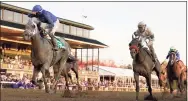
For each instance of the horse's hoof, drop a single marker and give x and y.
(48, 91)
(171, 96)
(149, 97)
(33, 82)
(66, 94)
(52, 92)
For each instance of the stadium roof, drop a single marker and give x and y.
(27, 11)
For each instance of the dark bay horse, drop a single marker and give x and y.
(176, 70)
(143, 65)
(42, 55)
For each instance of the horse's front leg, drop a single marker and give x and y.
(56, 70)
(35, 74)
(43, 70)
(148, 80)
(158, 72)
(171, 88)
(136, 77)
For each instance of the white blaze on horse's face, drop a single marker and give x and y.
(33, 27)
(133, 53)
(172, 58)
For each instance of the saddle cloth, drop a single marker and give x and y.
(60, 44)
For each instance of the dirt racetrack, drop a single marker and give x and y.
(40, 95)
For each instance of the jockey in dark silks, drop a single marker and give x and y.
(173, 49)
(48, 18)
(52, 25)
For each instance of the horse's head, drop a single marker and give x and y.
(172, 58)
(134, 47)
(31, 28)
(163, 68)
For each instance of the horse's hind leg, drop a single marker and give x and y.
(181, 83)
(179, 86)
(75, 70)
(66, 79)
(70, 76)
(43, 70)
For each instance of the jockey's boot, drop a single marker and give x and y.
(54, 43)
(154, 57)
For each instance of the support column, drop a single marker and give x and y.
(98, 60)
(75, 53)
(87, 58)
(92, 58)
(81, 55)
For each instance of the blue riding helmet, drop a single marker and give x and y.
(37, 8)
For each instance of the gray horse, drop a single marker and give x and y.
(143, 65)
(42, 55)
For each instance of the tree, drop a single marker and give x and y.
(123, 66)
(129, 66)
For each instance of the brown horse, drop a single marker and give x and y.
(164, 75)
(176, 70)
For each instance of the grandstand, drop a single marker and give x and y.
(16, 51)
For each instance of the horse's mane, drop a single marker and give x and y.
(34, 20)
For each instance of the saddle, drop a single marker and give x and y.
(43, 34)
(60, 44)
